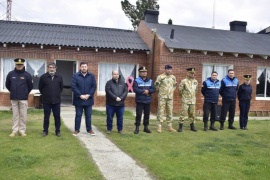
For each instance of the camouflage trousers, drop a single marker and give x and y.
(187, 109)
(165, 108)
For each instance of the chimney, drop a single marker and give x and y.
(151, 16)
(238, 26)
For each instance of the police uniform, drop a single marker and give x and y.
(19, 83)
(210, 91)
(244, 97)
(228, 90)
(165, 84)
(187, 91)
(143, 88)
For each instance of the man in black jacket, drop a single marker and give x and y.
(116, 93)
(144, 88)
(51, 86)
(19, 83)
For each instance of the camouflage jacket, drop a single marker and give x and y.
(187, 90)
(165, 85)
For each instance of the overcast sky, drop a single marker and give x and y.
(108, 13)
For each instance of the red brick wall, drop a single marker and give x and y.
(71, 53)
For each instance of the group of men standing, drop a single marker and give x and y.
(83, 84)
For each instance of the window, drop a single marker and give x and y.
(35, 67)
(263, 83)
(222, 70)
(126, 71)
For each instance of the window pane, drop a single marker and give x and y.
(222, 71)
(36, 68)
(105, 74)
(8, 65)
(126, 71)
(207, 70)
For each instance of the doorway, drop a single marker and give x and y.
(66, 69)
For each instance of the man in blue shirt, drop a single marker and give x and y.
(228, 90)
(210, 91)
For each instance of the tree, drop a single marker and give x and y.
(170, 21)
(136, 13)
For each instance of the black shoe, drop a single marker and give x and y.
(45, 134)
(146, 129)
(136, 130)
(221, 126)
(180, 129)
(192, 127)
(212, 127)
(231, 126)
(205, 127)
(58, 134)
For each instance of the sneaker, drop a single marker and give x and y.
(23, 134)
(120, 132)
(108, 132)
(91, 132)
(13, 134)
(75, 133)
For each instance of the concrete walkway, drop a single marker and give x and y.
(112, 162)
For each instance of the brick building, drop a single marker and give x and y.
(153, 45)
(209, 49)
(104, 49)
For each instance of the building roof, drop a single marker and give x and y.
(69, 35)
(206, 39)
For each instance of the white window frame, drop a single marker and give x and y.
(103, 93)
(2, 73)
(255, 88)
(230, 66)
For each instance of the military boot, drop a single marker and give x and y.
(192, 127)
(212, 127)
(231, 126)
(180, 129)
(205, 128)
(171, 129)
(136, 130)
(221, 125)
(159, 130)
(146, 129)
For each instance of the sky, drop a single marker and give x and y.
(109, 14)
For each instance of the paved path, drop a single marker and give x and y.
(112, 162)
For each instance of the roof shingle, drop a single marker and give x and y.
(69, 35)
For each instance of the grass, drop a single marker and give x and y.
(207, 155)
(35, 157)
(203, 155)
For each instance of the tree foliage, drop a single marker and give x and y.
(170, 21)
(136, 12)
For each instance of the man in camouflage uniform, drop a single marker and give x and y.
(187, 91)
(165, 85)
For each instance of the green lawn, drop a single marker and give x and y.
(229, 154)
(35, 157)
(208, 155)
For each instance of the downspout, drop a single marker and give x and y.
(153, 50)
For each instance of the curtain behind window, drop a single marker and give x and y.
(7, 66)
(105, 74)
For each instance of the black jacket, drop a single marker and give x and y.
(50, 88)
(19, 84)
(114, 90)
(139, 86)
(244, 92)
